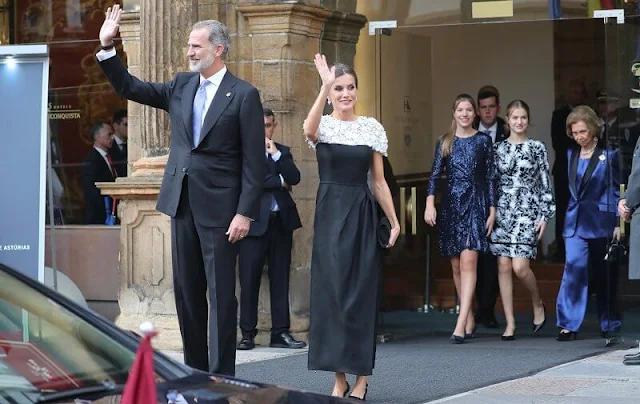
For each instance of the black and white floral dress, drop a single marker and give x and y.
(524, 197)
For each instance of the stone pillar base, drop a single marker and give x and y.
(145, 273)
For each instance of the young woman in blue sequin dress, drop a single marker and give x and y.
(468, 208)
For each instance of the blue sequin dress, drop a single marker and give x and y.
(471, 189)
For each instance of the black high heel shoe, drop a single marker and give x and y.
(364, 397)
(456, 339)
(567, 336)
(538, 327)
(511, 337)
(346, 391)
(471, 334)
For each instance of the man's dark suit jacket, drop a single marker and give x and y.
(226, 169)
(119, 158)
(286, 167)
(500, 129)
(94, 169)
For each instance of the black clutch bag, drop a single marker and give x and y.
(384, 232)
(616, 251)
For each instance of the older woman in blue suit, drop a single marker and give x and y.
(591, 218)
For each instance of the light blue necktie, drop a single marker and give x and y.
(199, 105)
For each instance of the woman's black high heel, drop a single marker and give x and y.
(364, 397)
(346, 391)
(455, 339)
(471, 334)
(567, 336)
(538, 327)
(511, 337)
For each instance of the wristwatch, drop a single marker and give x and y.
(107, 47)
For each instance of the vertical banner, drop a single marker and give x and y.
(24, 73)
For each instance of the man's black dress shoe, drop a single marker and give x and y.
(246, 343)
(285, 340)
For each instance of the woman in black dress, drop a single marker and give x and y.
(345, 263)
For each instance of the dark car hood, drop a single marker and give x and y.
(201, 388)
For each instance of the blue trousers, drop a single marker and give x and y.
(573, 295)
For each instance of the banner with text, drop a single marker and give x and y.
(24, 74)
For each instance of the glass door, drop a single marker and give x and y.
(419, 72)
(619, 110)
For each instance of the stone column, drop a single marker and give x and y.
(154, 40)
(276, 46)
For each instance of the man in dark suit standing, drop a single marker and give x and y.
(118, 150)
(97, 167)
(491, 124)
(271, 236)
(561, 143)
(212, 183)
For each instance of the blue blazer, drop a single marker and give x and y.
(593, 206)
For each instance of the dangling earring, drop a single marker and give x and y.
(328, 101)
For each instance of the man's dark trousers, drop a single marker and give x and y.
(274, 246)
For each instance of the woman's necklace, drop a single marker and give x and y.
(587, 153)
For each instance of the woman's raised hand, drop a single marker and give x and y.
(328, 75)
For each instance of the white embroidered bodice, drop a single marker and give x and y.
(364, 131)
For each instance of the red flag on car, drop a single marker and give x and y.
(141, 383)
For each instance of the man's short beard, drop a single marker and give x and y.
(202, 65)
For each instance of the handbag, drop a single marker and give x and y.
(384, 232)
(616, 251)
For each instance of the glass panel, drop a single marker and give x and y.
(620, 122)
(79, 94)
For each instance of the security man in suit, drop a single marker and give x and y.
(97, 167)
(119, 151)
(490, 123)
(212, 183)
(270, 237)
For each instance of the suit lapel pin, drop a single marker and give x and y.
(228, 94)
(602, 157)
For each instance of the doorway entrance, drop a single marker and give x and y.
(419, 71)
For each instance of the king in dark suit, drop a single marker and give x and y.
(271, 236)
(212, 184)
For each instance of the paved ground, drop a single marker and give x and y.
(595, 380)
(430, 368)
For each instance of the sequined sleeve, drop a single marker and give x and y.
(492, 173)
(436, 170)
(545, 194)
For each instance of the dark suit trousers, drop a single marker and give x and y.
(274, 244)
(203, 259)
(487, 285)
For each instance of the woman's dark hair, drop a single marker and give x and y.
(342, 69)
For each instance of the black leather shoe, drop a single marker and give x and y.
(633, 356)
(567, 336)
(511, 337)
(456, 339)
(489, 321)
(538, 327)
(246, 343)
(285, 340)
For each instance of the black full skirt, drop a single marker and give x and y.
(345, 271)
